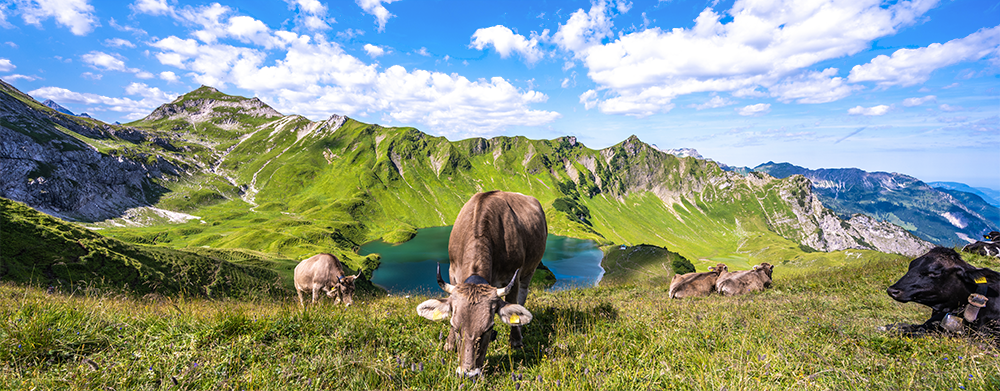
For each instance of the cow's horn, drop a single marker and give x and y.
(503, 291)
(444, 285)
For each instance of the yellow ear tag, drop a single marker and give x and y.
(437, 315)
(981, 280)
(514, 319)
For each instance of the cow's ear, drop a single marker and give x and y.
(435, 309)
(514, 315)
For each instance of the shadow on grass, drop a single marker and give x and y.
(545, 325)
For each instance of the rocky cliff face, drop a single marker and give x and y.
(50, 170)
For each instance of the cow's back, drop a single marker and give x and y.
(692, 284)
(743, 281)
(320, 269)
(495, 234)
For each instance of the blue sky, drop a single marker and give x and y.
(900, 86)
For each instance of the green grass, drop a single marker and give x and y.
(815, 330)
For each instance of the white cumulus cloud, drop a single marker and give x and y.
(105, 61)
(506, 43)
(77, 15)
(169, 76)
(98, 103)
(767, 44)
(6, 65)
(152, 7)
(907, 67)
(910, 102)
(715, 102)
(317, 78)
(869, 111)
(118, 43)
(375, 8)
(754, 110)
(312, 14)
(373, 51)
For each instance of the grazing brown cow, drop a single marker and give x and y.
(957, 292)
(743, 281)
(324, 273)
(497, 241)
(696, 284)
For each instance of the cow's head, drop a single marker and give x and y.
(937, 279)
(718, 268)
(765, 267)
(345, 287)
(471, 306)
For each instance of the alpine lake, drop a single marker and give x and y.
(411, 267)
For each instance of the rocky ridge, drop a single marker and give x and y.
(47, 168)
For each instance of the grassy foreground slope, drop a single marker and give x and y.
(38, 249)
(816, 330)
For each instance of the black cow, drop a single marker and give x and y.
(988, 248)
(941, 280)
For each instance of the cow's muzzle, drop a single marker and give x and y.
(895, 294)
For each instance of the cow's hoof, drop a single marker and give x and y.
(448, 347)
(516, 344)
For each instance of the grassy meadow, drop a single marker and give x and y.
(815, 330)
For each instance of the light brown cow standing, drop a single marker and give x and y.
(696, 284)
(743, 281)
(497, 241)
(324, 273)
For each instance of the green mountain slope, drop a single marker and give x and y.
(40, 249)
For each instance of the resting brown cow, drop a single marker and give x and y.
(497, 241)
(941, 280)
(696, 284)
(743, 281)
(324, 273)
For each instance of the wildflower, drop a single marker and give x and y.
(421, 367)
(539, 378)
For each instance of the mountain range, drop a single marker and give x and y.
(223, 171)
(942, 216)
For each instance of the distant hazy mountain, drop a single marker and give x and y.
(948, 218)
(57, 107)
(989, 195)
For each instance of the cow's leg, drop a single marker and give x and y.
(315, 294)
(449, 344)
(302, 302)
(931, 325)
(518, 295)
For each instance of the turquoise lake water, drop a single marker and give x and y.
(410, 267)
